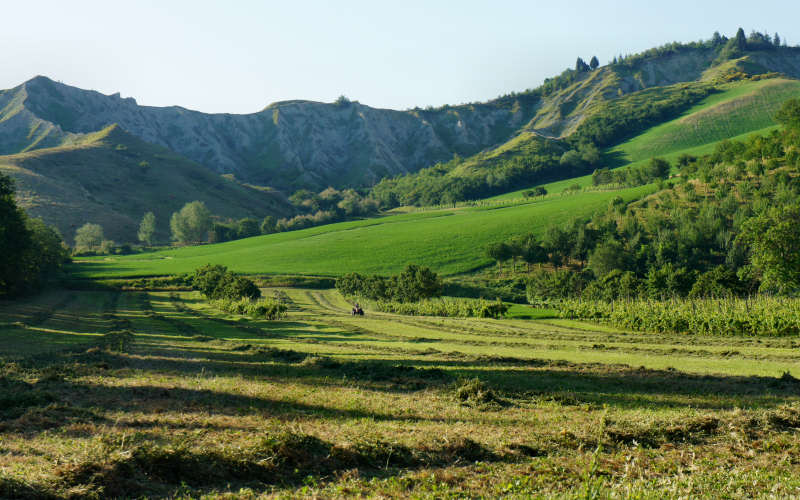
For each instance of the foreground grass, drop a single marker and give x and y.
(160, 395)
(448, 241)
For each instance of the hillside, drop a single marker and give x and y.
(302, 144)
(112, 178)
(574, 123)
(449, 241)
(289, 145)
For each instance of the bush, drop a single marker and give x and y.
(559, 284)
(448, 307)
(216, 282)
(762, 316)
(270, 309)
(413, 284)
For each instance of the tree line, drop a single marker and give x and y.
(726, 225)
(33, 253)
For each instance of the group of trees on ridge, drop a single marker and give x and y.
(727, 225)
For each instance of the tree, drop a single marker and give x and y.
(14, 237)
(581, 66)
(415, 283)
(608, 256)
(740, 40)
(774, 239)
(558, 242)
(499, 252)
(594, 63)
(789, 114)
(147, 229)
(531, 251)
(268, 225)
(89, 237)
(191, 224)
(247, 228)
(776, 40)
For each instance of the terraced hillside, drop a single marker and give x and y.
(448, 240)
(113, 394)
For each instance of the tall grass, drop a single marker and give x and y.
(454, 308)
(759, 316)
(259, 309)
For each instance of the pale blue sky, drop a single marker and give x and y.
(239, 55)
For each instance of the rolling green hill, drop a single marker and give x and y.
(112, 178)
(738, 108)
(449, 241)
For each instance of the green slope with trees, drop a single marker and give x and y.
(448, 241)
(113, 179)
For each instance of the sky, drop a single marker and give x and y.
(237, 56)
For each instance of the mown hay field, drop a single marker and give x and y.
(157, 394)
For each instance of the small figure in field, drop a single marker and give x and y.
(357, 311)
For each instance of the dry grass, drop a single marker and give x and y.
(184, 403)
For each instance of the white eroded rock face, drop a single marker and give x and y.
(289, 145)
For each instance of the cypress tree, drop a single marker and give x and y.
(594, 63)
(741, 40)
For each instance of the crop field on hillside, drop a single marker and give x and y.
(140, 394)
(448, 241)
(741, 108)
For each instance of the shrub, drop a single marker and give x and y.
(216, 282)
(270, 309)
(448, 307)
(413, 284)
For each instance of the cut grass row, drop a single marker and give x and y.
(207, 404)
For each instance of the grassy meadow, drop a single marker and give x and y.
(450, 241)
(157, 394)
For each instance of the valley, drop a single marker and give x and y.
(599, 281)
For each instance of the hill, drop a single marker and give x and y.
(450, 241)
(289, 145)
(112, 178)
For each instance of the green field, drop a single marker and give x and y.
(448, 241)
(178, 400)
(740, 110)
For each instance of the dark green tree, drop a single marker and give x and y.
(15, 238)
(558, 242)
(740, 40)
(499, 252)
(774, 239)
(415, 283)
(247, 227)
(594, 63)
(789, 114)
(581, 66)
(608, 256)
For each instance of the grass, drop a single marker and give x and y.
(160, 395)
(449, 241)
(740, 110)
(112, 178)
